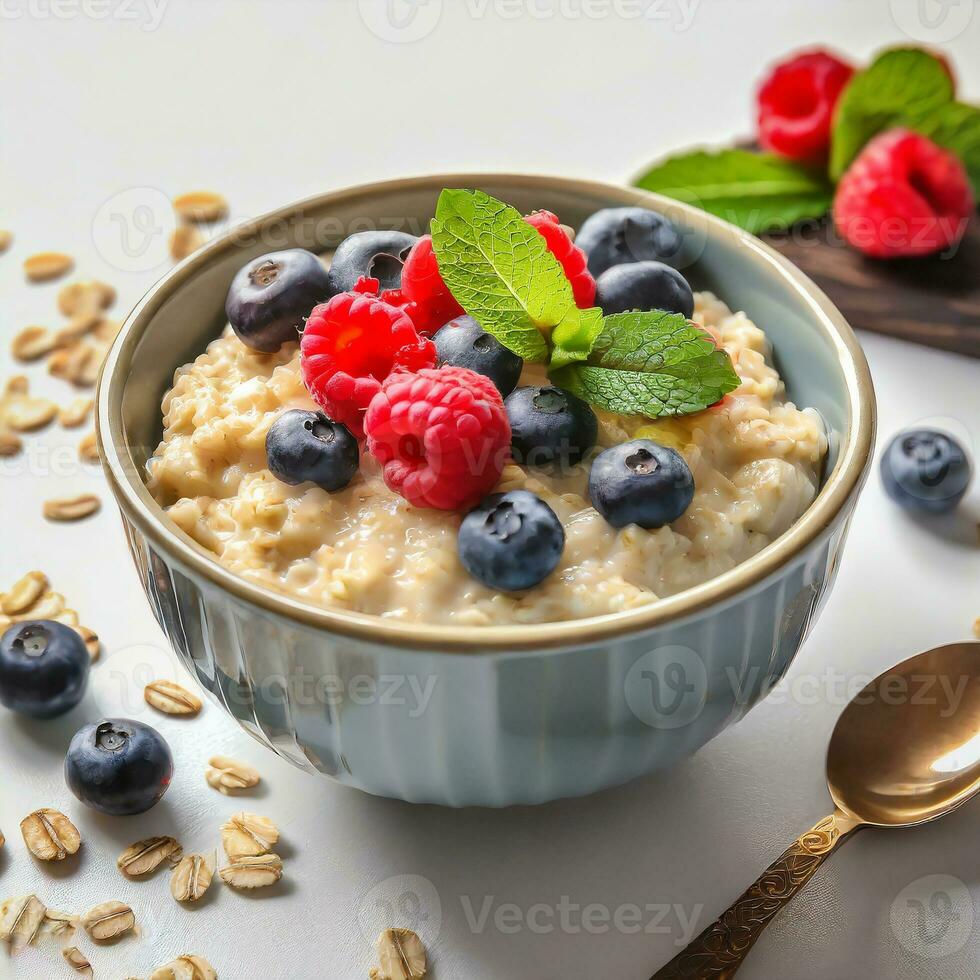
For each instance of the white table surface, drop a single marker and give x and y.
(267, 102)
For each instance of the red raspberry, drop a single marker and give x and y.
(571, 257)
(903, 195)
(796, 104)
(441, 435)
(434, 305)
(349, 347)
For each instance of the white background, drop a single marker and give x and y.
(268, 102)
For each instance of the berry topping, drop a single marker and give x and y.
(350, 345)
(303, 446)
(903, 196)
(118, 766)
(434, 305)
(569, 255)
(441, 435)
(511, 541)
(614, 236)
(43, 668)
(925, 471)
(640, 482)
(644, 286)
(464, 343)
(369, 254)
(550, 425)
(270, 297)
(796, 105)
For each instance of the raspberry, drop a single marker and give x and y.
(441, 435)
(903, 195)
(434, 305)
(349, 347)
(796, 105)
(573, 260)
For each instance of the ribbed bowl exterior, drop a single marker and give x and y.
(473, 729)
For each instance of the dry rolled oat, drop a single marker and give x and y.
(259, 871)
(228, 775)
(85, 297)
(75, 414)
(50, 835)
(91, 640)
(147, 855)
(186, 967)
(10, 445)
(108, 921)
(58, 923)
(186, 238)
(20, 921)
(248, 835)
(71, 508)
(76, 959)
(88, 449)
(171, 698)
(76, 328)
(20, 411)
(6, 237)
(33, 343)
(200, 206)
(401, 956)
(191, 878)
(24, 593)
(45, 266)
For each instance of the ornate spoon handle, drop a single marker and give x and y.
(720, 950)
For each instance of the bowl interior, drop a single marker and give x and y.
(814, 350)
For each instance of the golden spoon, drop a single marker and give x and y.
(905, 751)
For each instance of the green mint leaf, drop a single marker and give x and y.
(652, 364)
(956, 127)
(574, 336)
(756, 191)
(900, 86)
(500, 270)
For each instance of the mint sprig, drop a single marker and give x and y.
(500, 270)
(756, 191)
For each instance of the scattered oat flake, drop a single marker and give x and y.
(186, 967)
(20, 920)
(71, 508)
(88, 449)
(200, 206)
(191, 878)
(50, 835)
(170, 698)
(75, 958)
(57, 923)
(45, 266)
(258, 871)
(147, 855)
(6, 238)
(10, 445)
(24, 593)
(87, 296)
(33, 343)
(108, 921)
(77, 327)
(186, 238)
(75, 414)
(21, 412)
(228, 775)
(91, 640)
(401, 955)
(248, 835)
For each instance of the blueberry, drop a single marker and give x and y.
(303, 446)
(643, 286)
(614, 236)
(43, 668)
(464, 343)
(511, 541)
(925, 471)
(640, 482)
(118, 766)
(270, 297)
(550, 425)
(377, 254)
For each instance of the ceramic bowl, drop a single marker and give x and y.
(492, 715)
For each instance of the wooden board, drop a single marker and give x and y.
(934, 301)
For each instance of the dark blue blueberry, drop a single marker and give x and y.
(464, 343)
(118, 766)
(925, 471)
(43, 668)
(640, 482)
(303, 446)
(550, 425)
(643, 286)
(377, 254)
(270, 298)
(614, 236)
(511, 541)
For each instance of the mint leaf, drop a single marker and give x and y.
(500, 270)
(652, 364)
(574, 336)
(956, 127)
(900, 86)
(756, 191)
